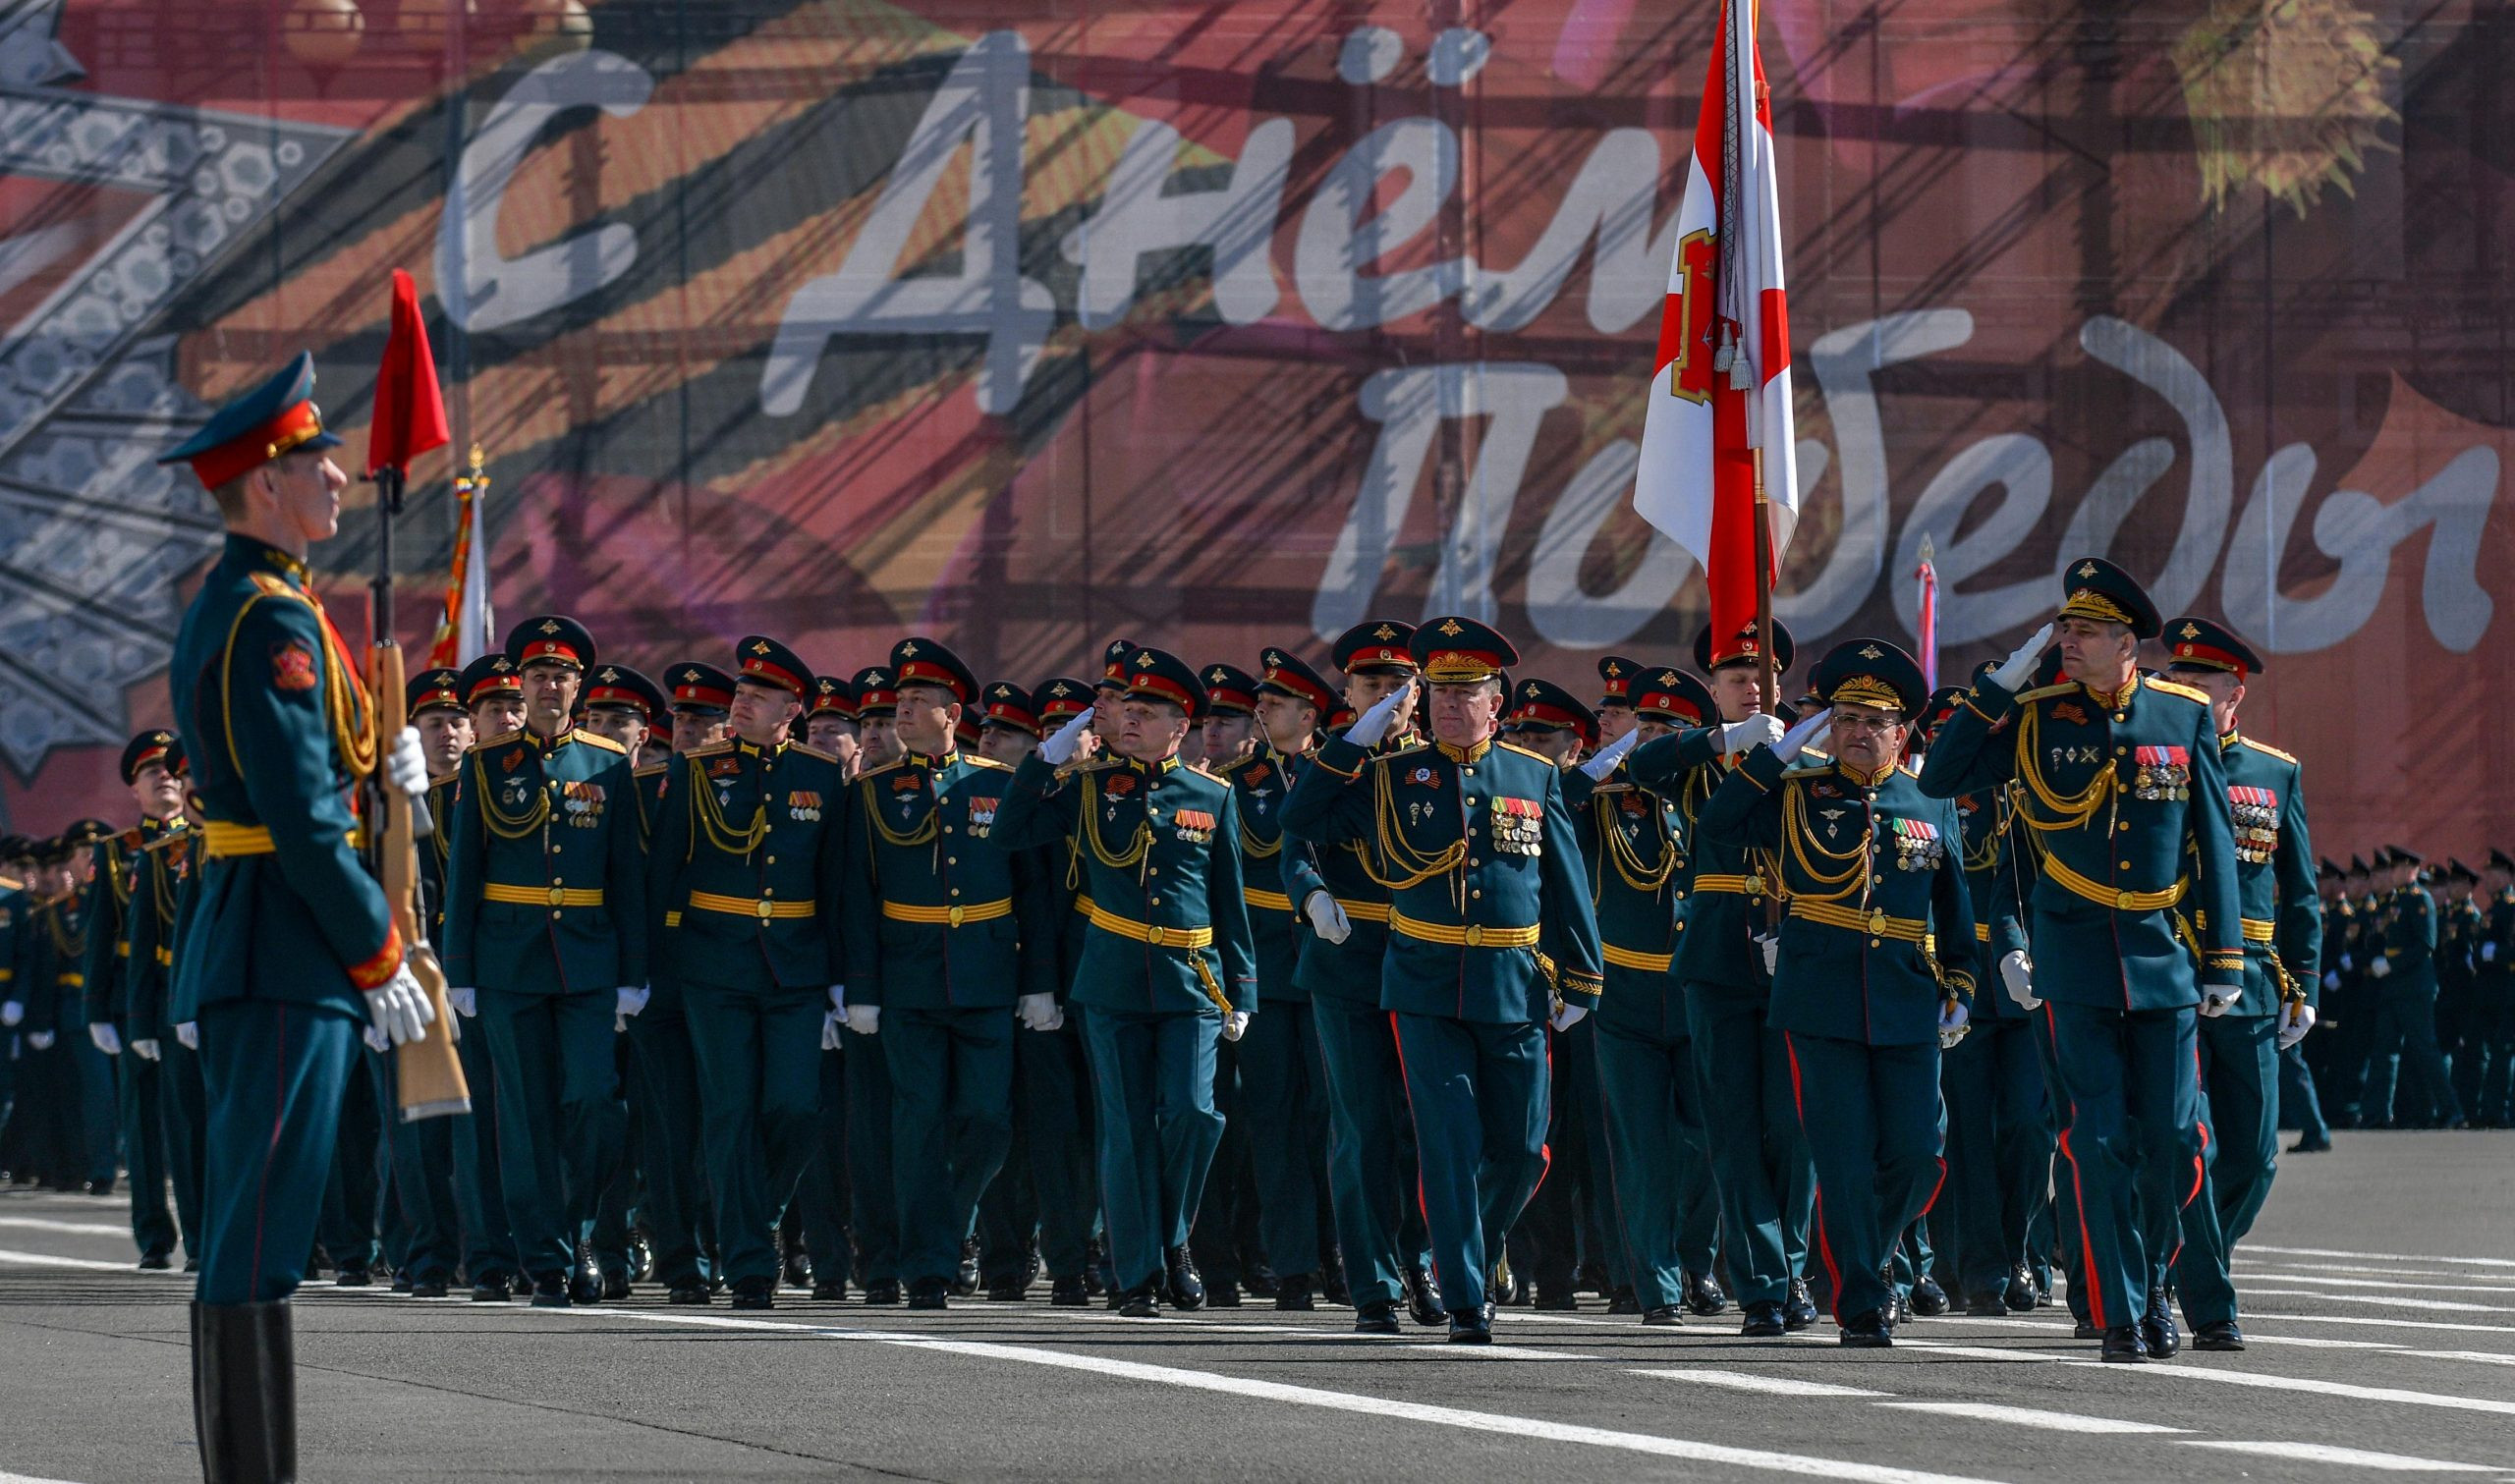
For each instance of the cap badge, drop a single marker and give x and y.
(2086, 570)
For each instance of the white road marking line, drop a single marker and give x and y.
(9, 1478)
(2347, 1458)
(2275, 1269)
(1495, 1351)
(2363, 1320)
(2310, 1343)
(1770, 1386)
(74, 1228)
(1974, 1351)
(2481, 1262)
(2028, 1416)
(48, 1260)
(2484, 1357)
(2270, 1383)
(2502, 1288)
(2438, 1306)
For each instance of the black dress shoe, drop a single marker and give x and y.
(1008, 1291)
(353, 1277)
(2084, 1330)
(965, 1283)
(1472, 1325)
(1292, 1294)
(693, 1296)
(2219, 1335)
(428, 1288)
(1181, 1284)
(1377, 1316)
(1222, 1295)
(1872, 1330)
(930, 1294)
(1556, 1301)
(1800, 1312)
(401, 1283)
(1929, 1299)
(2122, 1345)
(1069, 1292)
(615, 1287)
(584, 1288)
(1521, 1292)
(2158, 1331)
(1764, 1321)
(1624, 1302)
(493, 1290)
(882, 1291)
(755, 1292)
(1665, 1313)
(1704, 1295)
(2021, 1293)
(642, 1259)
(1332, 1283)
(798, 1271)
(1142, 1302)
(551, 1290)
(1424, 1297)
(1986, 1304)
(154, 1262)
(2313, 1146)
(1263, 1282)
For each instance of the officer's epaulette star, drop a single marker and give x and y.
(499, 741)
(810, 750)
(2266, 749)
(1505, 746)
(651, 770)
(2040, 693)
(2173, 688)
(709, 750)
(596, 740)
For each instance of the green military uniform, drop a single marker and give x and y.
(1760, 1159)
(750, 867)
(111, 991)
(1878, 944)
(1165, 959)
(864, 1106)
(944, 930)
(2494, 989)
(1490, 924)
(2406, 1008)
(2125, 798)
(78, 1077)
(545, 917)
(161, 876)
(490, 1258)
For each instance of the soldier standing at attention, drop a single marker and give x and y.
(1167, 966)
(2126, 802)
(492, 695)
(112, 981)
(2403, 963)
(546, 939)
(873, 1193)
(747, 870)
(622, 704)
(2240, 1046)
(291, 946)
(165, 863)
(829, 722)
(1491, 939)
(1876, 961)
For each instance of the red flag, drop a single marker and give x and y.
(410, 411)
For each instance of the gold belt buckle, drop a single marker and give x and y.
(1877, 922)
(765, 909)
(2122, 901)
(953, 917)
(1156, 935)
(558, 896)
(1756, 885)
(1475, 935)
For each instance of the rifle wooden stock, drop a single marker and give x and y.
(428, 1074)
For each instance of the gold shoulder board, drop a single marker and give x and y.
(597, 740)
(499, 741)
(2269, 750)
(2065, 688)
(709, 750)
(651, 770)
(1511, 747)
(811, 751)
(2173, 687)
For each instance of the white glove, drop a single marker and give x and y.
(1373, 725)
(1756, 731)
(2017, 973)
(838, 998)
(2347, 961)
(1326, 918)
(829, 1029)
(1234, 1025)
(1770, 943)
(189, 1033)
(1803, 732)
(466, 1002)
(2294, 1022)
(399, 1008)
(1066, 740)
(2218, 999)
(1610, 756)
(865, 1019)
(2380, 968)
(375, 1040)
(406, 767)
(2489, 952)
(40, 1040)
(12, 1012)
(108, 1040)
(1040, 1011)
(1566, 1016)
(632, 998)
(144, 1048)
(1952, 1016)
(2331, 980)
(2014, 670)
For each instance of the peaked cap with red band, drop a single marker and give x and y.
(923, 662)
(1454, 650)
(766, 662)
(1158, 675)
(277, 418)
(2196, 643)
(551, 638)
(699, 685)
(1287, 673)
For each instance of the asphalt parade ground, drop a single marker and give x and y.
(2378, 1288)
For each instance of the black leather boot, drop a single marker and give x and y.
(244, 1384)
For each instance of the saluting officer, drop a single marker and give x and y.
(945, 933)
(113, 984)
(1759, 1154)
(545, 939)
(1370, 1153)
(2283, 946)
(1167, 966)
(1876, 960)
(1491, 939)
(749, 863)
(2126, 801)
(291, 946)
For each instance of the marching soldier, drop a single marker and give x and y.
(624, 705)
(491, 694)
(1491, 939)
(2240, 1048)
(1166, 966)
(1226, 1240)
(545, 941)
(1760, 1159)
(872, 1189)
(2125, 796)
(1876, 964)
(2404, 968)
(291, 945)
(748, 869)
(162, 869)
(1370, 1154)
(2496, 970)
(113, 983)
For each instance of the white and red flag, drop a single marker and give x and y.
(1720, 381)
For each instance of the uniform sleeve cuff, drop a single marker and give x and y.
(379, 970)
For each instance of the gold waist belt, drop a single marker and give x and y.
(1730, 886)
(2059, 870)
(1472, 935)
(949, 916)
(746, 907)
(1634, 958)
(1274, 902)
(1147, 932)
(220, 840)
(2258, 931)
(1874, 924)
(541, 896)
(1363, 912)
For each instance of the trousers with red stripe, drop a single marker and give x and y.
(1876, 1136)
(2130, 1144)
(1479, 1093)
